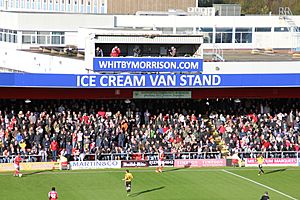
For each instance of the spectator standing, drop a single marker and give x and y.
(146, 117)
(54, 148)
(99, 52)
(46, 143)
(43, 155)
(69, 148)
(172, 52)
(115, 52)
(136, 51)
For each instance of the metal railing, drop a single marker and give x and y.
(271, 154)
(154, 156)
(286, 14)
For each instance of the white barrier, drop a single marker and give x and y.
(95, 164)
(29, 166)
(251, 162)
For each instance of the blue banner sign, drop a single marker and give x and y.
(149, 80)
(147, 64)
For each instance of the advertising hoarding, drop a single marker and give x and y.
(162, 94)
(30, 166)
(147, 64)
(251, 162)
(134, 163)
(148, 80)
(200, 163)
(167, 163)
(103, 164)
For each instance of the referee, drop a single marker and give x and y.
(128, 178)
(260, 160)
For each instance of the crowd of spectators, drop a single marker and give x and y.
(74, 127)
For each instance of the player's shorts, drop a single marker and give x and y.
(161, 163)
(259, 166)
(17, 166)
(128, 184)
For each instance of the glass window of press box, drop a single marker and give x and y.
(43, 37)
(7, 35)
(207, 33)
(223, 35)
(184, 30)
(73, 6)
(281, 29)
(263, 29)
(243, 35)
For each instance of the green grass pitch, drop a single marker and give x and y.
(173, 184)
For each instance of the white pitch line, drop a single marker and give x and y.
(257, 183)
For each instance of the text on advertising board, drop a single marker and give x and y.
(95, 164)
(200, 163)
(30, 166)
(153, 163)
(147, 64)
(134, 163)
(148, 80)
(162, 94)
(273, 162)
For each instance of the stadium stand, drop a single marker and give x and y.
(223, 127)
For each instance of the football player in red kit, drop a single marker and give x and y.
(17, 161)
(161, 156)
(52, 195)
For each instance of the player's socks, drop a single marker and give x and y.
(157, 170)
(160, 169)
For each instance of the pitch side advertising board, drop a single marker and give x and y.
(103, 164)
(200, 163)
(251, 162)
(30, 166)
(167, 163)
(134, 163)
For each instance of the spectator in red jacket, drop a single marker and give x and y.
(54, 148)
(115, 52)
